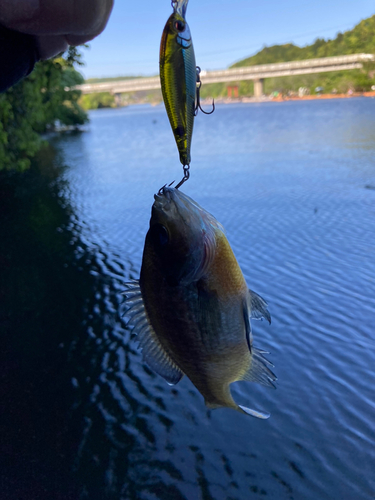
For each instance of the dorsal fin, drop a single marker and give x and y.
(152, 351)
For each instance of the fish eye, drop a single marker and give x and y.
(159, 234)
(179, 25)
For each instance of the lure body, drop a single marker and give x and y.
(178, 78)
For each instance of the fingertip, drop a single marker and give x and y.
(51, 45)
(79, 39)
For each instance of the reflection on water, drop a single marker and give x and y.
(86, 418)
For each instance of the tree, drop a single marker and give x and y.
(35, 104)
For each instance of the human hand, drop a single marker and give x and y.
(56, 23)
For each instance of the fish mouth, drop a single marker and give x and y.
(167, 194)
(163, 198)
(168, 197)
(164, 191)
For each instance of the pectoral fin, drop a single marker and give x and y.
(152, 351)
(258, 307)
(249, 338)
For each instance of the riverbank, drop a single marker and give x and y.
(280, 98)
(265, 98)
(324, 96)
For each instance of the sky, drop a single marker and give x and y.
(223, 31)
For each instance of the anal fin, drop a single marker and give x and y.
(259, 370)
(255, 413)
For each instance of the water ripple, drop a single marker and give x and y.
(287, 181)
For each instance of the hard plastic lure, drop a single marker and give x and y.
(179, 77)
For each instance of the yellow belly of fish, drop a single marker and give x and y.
(232, 360)
(225, 275)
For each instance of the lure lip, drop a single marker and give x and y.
(180, 7)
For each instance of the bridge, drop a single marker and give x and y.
(257, 73)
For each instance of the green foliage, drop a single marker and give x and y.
(360, 39)
(269, 55)
(112, 79)
(99, 100)
(338, 81)
(214, 90)
(34, 105)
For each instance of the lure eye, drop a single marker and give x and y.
(180, 26)
(159, 234)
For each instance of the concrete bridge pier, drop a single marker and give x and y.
(118, 100)
(258, 87)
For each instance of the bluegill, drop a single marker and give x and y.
(178, 78)
(191, 307)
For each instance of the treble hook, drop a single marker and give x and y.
(198, 105)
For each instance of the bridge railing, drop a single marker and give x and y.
(305, 63)
(306, 66)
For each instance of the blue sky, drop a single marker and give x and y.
(224, 31)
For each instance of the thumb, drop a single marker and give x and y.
(15, 11)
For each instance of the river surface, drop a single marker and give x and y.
(294, 185)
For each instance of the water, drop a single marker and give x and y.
(294, 185)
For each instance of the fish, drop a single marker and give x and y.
(178, 78)
(191, 307)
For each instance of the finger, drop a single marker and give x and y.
(14, 11)
(78, 39)
(57, 17)
(51, 45)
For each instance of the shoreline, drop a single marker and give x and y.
(291, 98)
(255, 100)
(325, 96)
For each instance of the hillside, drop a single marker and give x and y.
(110, 79)
(360, 39)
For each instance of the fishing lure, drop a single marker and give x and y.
(180, 81)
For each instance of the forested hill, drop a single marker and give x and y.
(360, 39)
